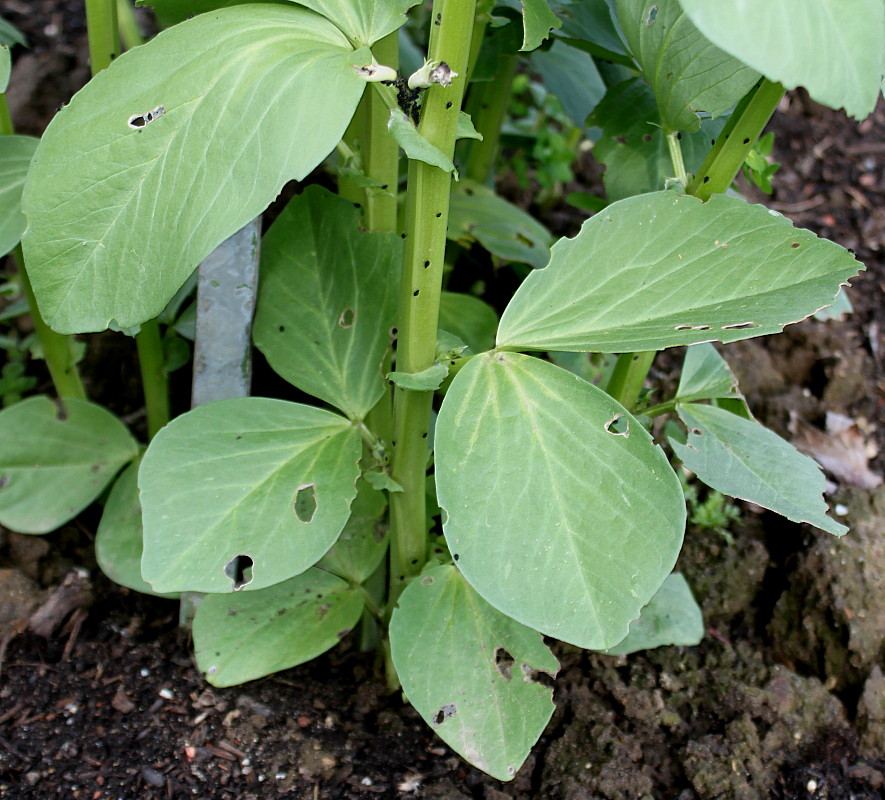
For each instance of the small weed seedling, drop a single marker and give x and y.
(559, 514)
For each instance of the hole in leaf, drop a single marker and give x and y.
(651, 16)
(740, 326)
(692, 328)
(347, 318)
(696, 432)
(530, 675)
(4, 481)
(446, 712)
(239, 571)
(618, 425)
(140, 120)
(504, 663)
(305, 503)
(427, 580)
(794, 245)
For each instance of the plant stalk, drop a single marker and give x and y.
(104, 34)
(628, 376)
(128, 25)
(676, 158)
(427, 211)
(487, 107)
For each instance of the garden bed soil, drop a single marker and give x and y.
(784, 698)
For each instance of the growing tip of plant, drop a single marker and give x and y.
(375, 73)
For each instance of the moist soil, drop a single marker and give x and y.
(784, 697)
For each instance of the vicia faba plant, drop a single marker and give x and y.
(552, 511)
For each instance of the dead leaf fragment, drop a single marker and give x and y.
(843, 450)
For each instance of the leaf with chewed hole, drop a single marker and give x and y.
(245, 484)
(672, 617)
(834, 48)
(739, 457)
(241, 637)
(664, 269)
(251, 97)
(56, 459)
(327, 300)
(119, 539)
(687, 73)
(16, 153)
(545, 480)
(477, 677)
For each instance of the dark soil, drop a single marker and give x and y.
(785, 697)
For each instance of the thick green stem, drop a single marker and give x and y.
(104, 35)
(427, 211)
(487, 107)
(741, 131)
(153, 376)
(676, 157)
(628, 377)
(128, 25)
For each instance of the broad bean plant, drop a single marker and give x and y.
(458, 488)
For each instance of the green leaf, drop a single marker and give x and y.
(364, 22)
(465, 129)
(537, 21)
(687, 73)
(55, 460)
(119, 541)
(633, 146)
(740, 458)
(10, 35)
(241, 637)
(428, 380)
(470, 319)
(327, 300)
(414, 144)
(834, 48)
(590, 24)
(664, 269)
(571, 75)
(381, 480)
(541, 487)
(248, 478)
(5, 67)
(363, 542)
(471, 672)
(476, 213)
(178, 145)
(706, 375)
(16, 153)
(170, 12)
(672, 616)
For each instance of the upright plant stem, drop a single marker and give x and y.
(104, 47)
(427, 211)
(128, 25)
(628, 376)
(487, 107)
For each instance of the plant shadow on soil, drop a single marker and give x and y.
(784, 698)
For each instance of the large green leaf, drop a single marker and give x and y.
(180, 143)
(665, 269)
(55, 460)
(241, 637)
(590, 24)
(248, 479)
(686, 71)
(470, 319)
(559, 509)
(327, 301)
(672, 616)
(633, 146)
(119, 540)
(739, 457)
(833, 48)
(572, 76)
(478, 214)
(364, 22)
(471, 672)
(16, 153)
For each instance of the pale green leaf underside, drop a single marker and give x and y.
(54, 463)
(740, 458)
(363, 542)
(705, 375)
(538, 492)
(5, 67)
(15, 158)
(222, 481)
(833, 48)
(242, 100)
(671, 617)
(118, 541)
(470, 319)
(686, 71)
(664, 269)
(428, 380)
(241, 637)
(470, 671)
(537, 21)
(327, 301)
(414, 145)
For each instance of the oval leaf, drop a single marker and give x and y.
(546, 481)
(16, 153)
(833, 48)
(55, 460)
(471, 672)
(244, 493)
(739, 457)
(664, 269)
(327, 301)
(469, 318)
(241, 637)
(178, 145)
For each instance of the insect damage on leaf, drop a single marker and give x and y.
(305, 503)
(618, 425)
(347, 318)
(239, 571)
(137, 121)
(446, 712)
(504, 663)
